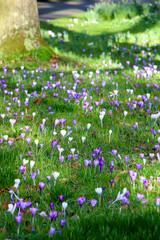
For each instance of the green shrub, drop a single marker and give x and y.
(109, 11)
(42, 53)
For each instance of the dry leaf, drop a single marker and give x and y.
(37, 101)
(116, 179)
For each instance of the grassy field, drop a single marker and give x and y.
(91, 115)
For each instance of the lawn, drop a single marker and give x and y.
(80, 132)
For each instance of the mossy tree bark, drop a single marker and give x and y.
(19, 25)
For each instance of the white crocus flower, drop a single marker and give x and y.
(110, 132)
(70, 139)
(32, 164)
(98, 191)
(33, 114)
(120, 196)
(36, 141)
(63, 133)
(11, 208)
(43, 214)
(25, 161)
(5, 137)
(83, 139)
(88, 126)
(64, 205)
(55, 175)
(73, 150)
(17, 182)
(125, 113)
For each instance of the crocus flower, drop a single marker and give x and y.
(55, 175)
(22, 169)
(18, 219)
(81, 201)
(111, 182)
(41, 186)
(93, 202)
(61, 197)
(126, 158)
(157, 201)
(132, 175)
(140, 196)
(98, 191)
(33, 211)
(52, 231)
(54, 143)
(114, 152)
(62, 222)
(138, 166)
(120, 196)
(53, 215)
(145, 182)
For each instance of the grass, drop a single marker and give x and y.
(100, 52)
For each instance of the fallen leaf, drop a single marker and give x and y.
(37, 101)
(116, 179)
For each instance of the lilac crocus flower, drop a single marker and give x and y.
(141, 155)
(101, 165)
(124, 200)
(10, 142)
(157, 201)
(48, 178)
(33, 211)
(52, 231)
(111, 168)
(81, 200)
(93, 202)
(33, 175)
(138, 166)
(114, 152)
(126, 158)
(140, 196)
(132, 175)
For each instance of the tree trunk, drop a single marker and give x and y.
(19, 25)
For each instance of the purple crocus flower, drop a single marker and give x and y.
(81, 200)
(138, 166)
(124, 200)
(41, 127)
(93, 202)
(41, 186)
(74, 122)
(54, 143)
(51, 205)
(145, 182)
(111, 182)
(29, 153)
(53, 215)
(18, 218)
(111, 168)
(101, 165)
(61, 197)
(62, 222)
(22, 169)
